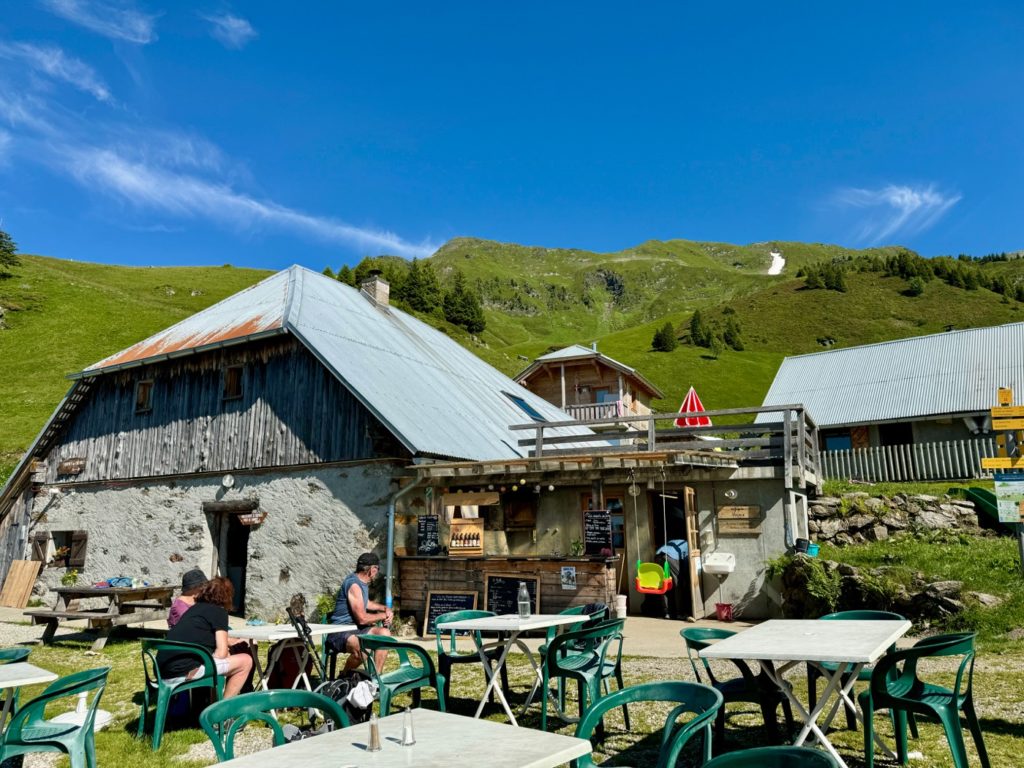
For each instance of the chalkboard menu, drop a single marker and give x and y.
(428, 540)
(597, 532)
(440, 603)
(501, 592)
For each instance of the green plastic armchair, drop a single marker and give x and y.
(904, 693)
(703, 701)
(10, 656)
(161, 689)
(774, 757)
(813, 673)
(30, 731)
(408, 676)
(749, 688)
(222, 720)
(581, 656)
(449, 655)
(586, 621)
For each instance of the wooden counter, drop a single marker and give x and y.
(595, 579)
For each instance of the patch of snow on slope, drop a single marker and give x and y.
(777, 263)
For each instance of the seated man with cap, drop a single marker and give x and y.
(191, 582)
(354, 606)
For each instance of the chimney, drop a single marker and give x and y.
(593, 346)
(376, 289)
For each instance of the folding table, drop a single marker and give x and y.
(443, 740)
(848, 644)
(273, 633)
(510, 626)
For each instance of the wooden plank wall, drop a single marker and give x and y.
(293, 411)
(595, 582)
(14, 531)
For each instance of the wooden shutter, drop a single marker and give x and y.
(40, 543)
(77, 557)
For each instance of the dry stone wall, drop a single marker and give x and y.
(855, 518)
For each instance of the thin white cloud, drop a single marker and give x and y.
(120, 22)
(53, 62)
(896, 209)
(189, 196)
(231, 31)
(5, 146)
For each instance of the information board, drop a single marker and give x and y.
(501, 592)
(440, 603)
(1010, 497)
(597, 532)
(428, 538)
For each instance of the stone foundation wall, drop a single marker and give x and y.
(857, 517)
(318, 521)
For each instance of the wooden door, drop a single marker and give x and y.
(693, 539)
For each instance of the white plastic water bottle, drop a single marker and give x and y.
(524, 601)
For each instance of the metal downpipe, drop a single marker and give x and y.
(392, 505)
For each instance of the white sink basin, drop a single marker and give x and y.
(720, 562)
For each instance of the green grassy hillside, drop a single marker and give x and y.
(64, 315)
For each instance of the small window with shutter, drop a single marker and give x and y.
(77, 557)
(40, 545)
(68, 549)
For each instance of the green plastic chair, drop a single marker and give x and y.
(774, 757)
(813, 674)
(903, 692)
(30, 731)
(749, 688)
(580, 656)
(222, 720)
(408, 676)
(162, 689)
(703, 701)
(586, 621)
(10, 656)
(449, 655)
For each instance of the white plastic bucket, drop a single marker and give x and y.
(620, 606)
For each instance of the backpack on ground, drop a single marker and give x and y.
(355, 691)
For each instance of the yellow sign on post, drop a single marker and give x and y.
(1004, 397)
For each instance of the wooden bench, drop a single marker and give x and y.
(125, 605)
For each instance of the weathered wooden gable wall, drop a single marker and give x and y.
(577, 374)
(292, 411)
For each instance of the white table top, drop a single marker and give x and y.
(510, 622)
(856, 642)
(443, 740)
(21, 673)
(273, 632)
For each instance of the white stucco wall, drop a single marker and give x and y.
(318, 522)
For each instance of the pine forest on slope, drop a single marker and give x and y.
(61, 316)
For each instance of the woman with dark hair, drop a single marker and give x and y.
(206, 624)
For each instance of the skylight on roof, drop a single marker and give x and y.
(525, 407)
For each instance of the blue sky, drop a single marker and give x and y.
(268, 133)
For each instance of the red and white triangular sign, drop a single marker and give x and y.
(692, 404)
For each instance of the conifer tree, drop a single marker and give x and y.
(732, 334)
(421, 289)
(461, 307)
(7, 254)
(700, 332)
(346, 275)
(664, 339)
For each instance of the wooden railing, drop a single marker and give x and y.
(595, 411)
(949, 460)
(789, 439)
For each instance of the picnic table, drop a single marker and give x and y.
(125, 605)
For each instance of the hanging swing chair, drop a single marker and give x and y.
(651, 578)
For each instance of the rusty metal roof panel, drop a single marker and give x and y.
(438, 397)
(957, 372)
(257, 310)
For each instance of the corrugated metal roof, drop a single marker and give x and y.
(945, 373)
(579, 352)
(438, 398)
(257, 309)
